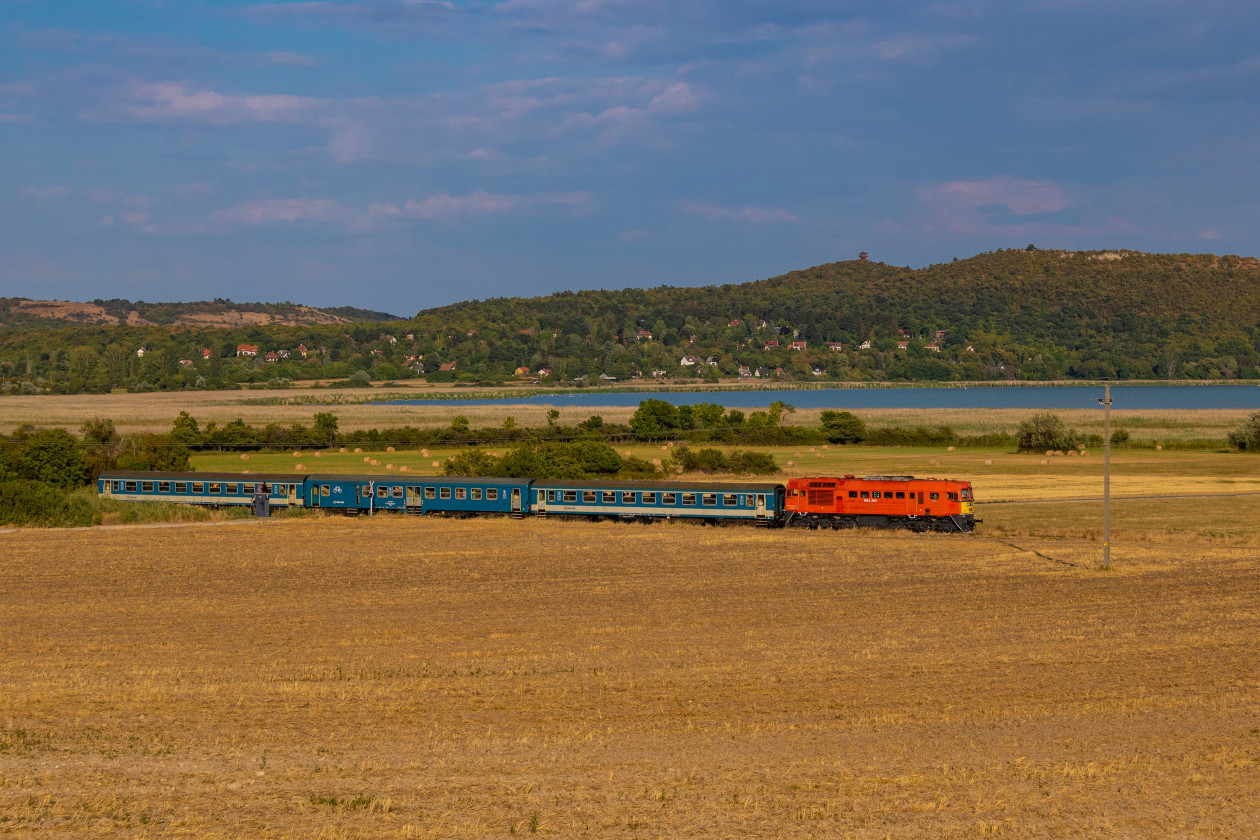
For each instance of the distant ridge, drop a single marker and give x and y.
(23, 312)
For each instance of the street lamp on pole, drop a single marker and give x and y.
(1105, 402)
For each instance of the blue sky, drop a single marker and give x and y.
(401, 154)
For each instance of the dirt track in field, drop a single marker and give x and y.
(402, 678)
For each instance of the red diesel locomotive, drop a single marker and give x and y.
(880, 501)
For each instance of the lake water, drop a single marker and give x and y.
(1060, 396)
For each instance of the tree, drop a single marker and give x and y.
(1043, 431)
(843, 427)
(654, 420)
(54, 457)
(1246, 438)
(325, 429)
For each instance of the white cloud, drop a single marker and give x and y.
(174, 101)
(46, 193)
(756, 215)
(266, 211)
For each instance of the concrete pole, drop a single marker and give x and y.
(1106, 474)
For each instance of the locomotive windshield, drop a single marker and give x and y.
(966, 493)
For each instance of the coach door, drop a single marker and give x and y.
(541, 507)
(414, 498)
(516, 500)
(293, 495)
(761, 505)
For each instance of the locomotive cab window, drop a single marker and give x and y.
(953, 497)
(966, 494)
(934, 496)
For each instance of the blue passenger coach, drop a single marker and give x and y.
(713, 500)
(418, 494)
(216, 489)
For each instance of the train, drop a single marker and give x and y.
(817, 502)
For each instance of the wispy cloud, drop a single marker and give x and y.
(16, 118)
(45, 193)
(170, 101)
(756, 215)
(267, 211)
(445, 205)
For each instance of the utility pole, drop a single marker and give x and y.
(1106, 404)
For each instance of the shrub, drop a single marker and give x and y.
(843, 427)
(1246, 438)
(25, 502)
(1045, 430)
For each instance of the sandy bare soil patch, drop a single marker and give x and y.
(404, 678)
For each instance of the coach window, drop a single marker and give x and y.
(233, 489)
(476, 494)
(708, 499)
(551, 495)
(118, 485)
(382, 491)
(649, 498)
(669, 498)
(627, 497)
(180, 487)
(216, 487)
(198, 487)
(323, 489)
(589, 497)
(570, 495)
(430, 492)
(728, 500)
(247, 489)
(609, 497)
(446, 492)
(934, 496)
(146, 486)
(397, 492)
(164, 487)
(461, 493)
(492, 493)
(133, 486)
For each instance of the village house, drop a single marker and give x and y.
(603, 377)
(735, 323)
(762, 373)
(688, 361)
(772, 344)
(817, 370)
(302, 350)
(185, 362)
(935, 348)
(205, 353)
(140, 353)
(523, 371)
(659, 374)
(865, 345)
(544, 371)
(902, 345)
(447, 367)
(798, 345)
(834, 346)
(247, 350)
(270, 357)
(644, 335)
(711, 362)
(744, 371)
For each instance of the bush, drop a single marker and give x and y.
(1246, 438)
(712, 461)
(25, 502)
(1045, 430)
(843, 427)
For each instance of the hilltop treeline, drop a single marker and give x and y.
(1018, 314)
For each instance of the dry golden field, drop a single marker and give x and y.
(394, 677)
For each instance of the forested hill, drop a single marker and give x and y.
(22, 312)
(1026, 314)
(1037, 313)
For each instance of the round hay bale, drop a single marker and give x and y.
(297, 454)
(790, 464)
(300, 467)
(1084, 454)
(817, 454)
(342, 449)
(656, 462)
(424, 453)
(404, 468)
(245, 472)
(665, 448)
(437, 463)
(319, 454)
(1049, 452)
(389, 449)
(1072, 453)
(1044, 462)
(375, 463)
(988, 462)
(796, 454)
(628, 454)
(358, 450)
(244, 457)
(390, 467)
(367, 459)
(950, 449)
(934, 463)
(813, 449)
(1159, 447)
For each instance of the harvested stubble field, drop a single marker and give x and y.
(396, 677)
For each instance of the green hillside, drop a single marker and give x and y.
(1019, 314)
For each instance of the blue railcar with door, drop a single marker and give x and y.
(211, 489)
(709, 500)
(418, 494)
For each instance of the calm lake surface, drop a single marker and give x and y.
(1059, 396)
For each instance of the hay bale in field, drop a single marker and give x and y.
(826, 446)
(1049, 452)
(813, 449)
(664, 448)
(299, 467)
(342, 449)
(375, 462)
(950, 449)
(1084, 454)
(389, 467)
(367, 459)
(1044, 462)
(790, 464)
(297, 454)
(358, 450)
(424, 453)
(1072, 453)
(319, 454)
(404, 468)
(817, 454)
(389, 449)
(656, 462)
(437, 463)
(244, 457)
(796, 454)
(934, 463)
(1159, 447)
(629, 454)
(245, 472)
(988, 462)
